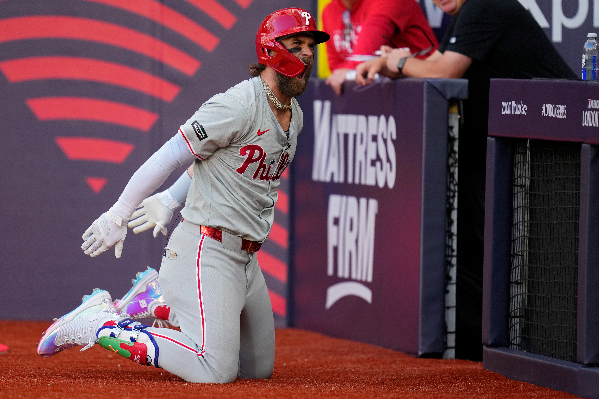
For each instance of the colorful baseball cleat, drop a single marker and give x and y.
(79, 327)
(144, 299)
(129, 338)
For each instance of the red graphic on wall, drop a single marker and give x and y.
(95, 76)
(64, 67)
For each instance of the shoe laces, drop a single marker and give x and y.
(82, 330)
(159, 323)
(78, 332)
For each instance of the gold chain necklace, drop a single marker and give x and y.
(272, 97)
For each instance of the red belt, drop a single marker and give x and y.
(217, 234)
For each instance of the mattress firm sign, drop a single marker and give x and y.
(355, 150)
(369, 206)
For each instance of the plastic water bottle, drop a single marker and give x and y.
(589, 59)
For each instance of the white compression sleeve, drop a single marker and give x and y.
(180, 188)
(173, 154)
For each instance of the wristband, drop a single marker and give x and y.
(113, 217)
(169, 201)
(401, 63)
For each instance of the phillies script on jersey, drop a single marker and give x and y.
(254, 153)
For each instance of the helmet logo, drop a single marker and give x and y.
(307, 16)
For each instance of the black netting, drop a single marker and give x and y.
(451, 234)
(545, 230)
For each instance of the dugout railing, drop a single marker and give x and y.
(540, 305)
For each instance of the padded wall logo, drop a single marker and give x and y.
(352, 150)
(350, 246)
(108, 62)
(590, 117)
(554, 110)
(514, 108)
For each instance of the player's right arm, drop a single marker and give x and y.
(157, 210)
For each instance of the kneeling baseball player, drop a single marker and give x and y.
(240, 142)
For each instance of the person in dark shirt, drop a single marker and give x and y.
(485, 39)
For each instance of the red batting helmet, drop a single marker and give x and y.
(282, 23)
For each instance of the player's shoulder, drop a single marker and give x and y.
(245, 90)
(241, 97)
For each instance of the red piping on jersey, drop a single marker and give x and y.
(200, 303)
(189, 145)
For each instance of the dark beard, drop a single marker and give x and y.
(293, 87)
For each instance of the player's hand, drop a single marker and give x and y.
(155, 211)
(108, 230)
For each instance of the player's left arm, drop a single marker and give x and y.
(110, 228)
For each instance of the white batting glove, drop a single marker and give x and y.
(155, 211)
(108, 230)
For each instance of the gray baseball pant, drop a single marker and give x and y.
(219, 295)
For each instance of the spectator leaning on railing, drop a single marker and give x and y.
(485, 39)
(361, 27)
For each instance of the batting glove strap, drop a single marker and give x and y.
(168, 200)
(116, 219)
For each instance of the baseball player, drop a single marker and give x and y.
(240, 143)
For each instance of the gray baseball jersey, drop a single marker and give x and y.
(216, 288)
(243, 152)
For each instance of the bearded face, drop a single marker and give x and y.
(301, 45)
(295, 86)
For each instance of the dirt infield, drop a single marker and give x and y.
(307, 365)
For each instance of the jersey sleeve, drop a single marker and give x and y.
(477, 28)
(218, 122)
